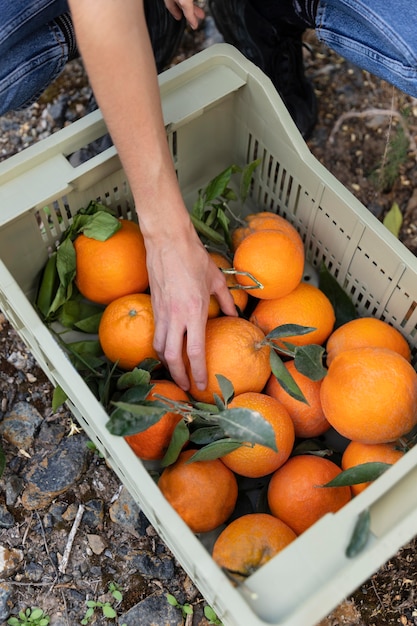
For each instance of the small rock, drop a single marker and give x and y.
(53, 473)
(126, 512)
(6, 518)
(6, 591)
(94, 513)
(152, 566)
(20, 424)
(9, 561)
(154, 610)
(14, 486)
(34, 571)
(96, 543)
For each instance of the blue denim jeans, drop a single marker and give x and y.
(377, 35)
(33, 50)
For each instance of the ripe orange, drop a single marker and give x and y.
(357, 453)
(235, 350)
(126, 330)
(152, 443)
(257, 460)
(272, 257)
(370, 395)
(366, 332)
(250, 541)
(308, 419)
(106, 270)
(203, 493)
(264, 220)
(296, 494)
(240, 296)
(306, 305)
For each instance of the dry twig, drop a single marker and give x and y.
(70, 541)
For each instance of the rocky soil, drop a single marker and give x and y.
(69, 531)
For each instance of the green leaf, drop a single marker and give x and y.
(215, 450)
(206, 434)
(178, 440)
(101, 226)
(206, 231)
(246, 425)
(226, 388)
(187, 609)
(117, 595)
(35, 614)
(289, 330)
(108, 611)
(90, 324)
(135, 378)
(59, 396)
(343, 306)
(219, 184)
(360, 534)
(65, 263)
(246, 178)
(285, 378)
(308, 360)
(48, 286)
(364, 473)
(393, 220)
(171, 599)
(129, 419)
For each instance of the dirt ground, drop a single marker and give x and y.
(365, 135)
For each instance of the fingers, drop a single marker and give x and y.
(181, 336)
(192, 13)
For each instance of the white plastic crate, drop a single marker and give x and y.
(220, 109)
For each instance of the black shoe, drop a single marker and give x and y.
(165, 32)
(277, 49)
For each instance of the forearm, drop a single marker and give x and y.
(116, 50)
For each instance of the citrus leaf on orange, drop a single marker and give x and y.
(215, 450)
(289, 330)
(247, 426)
(284, 377)
(226, 388)
(360, 534)
(363, 473)
(101, 226)
(206, 434)
(308, 360)
(179, 438)
(343, 306)
(129, 419)
(135, 378)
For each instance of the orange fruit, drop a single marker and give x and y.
(203, 493)
(250, 541)
(214, 308)
(126, 330)
(366, 332)
(272, 257)
(357, 453)
(234, 349)
(240, 296)
(306, 305)
(264, 220)
(308, 418)
(152, 443)
(107, 270)
(370, 395)
(296, 494)
(256, 460)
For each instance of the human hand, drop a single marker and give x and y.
(182, 276)
(192, 13)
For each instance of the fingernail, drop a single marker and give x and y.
(200, 386)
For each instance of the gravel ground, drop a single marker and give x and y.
(114, 543)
